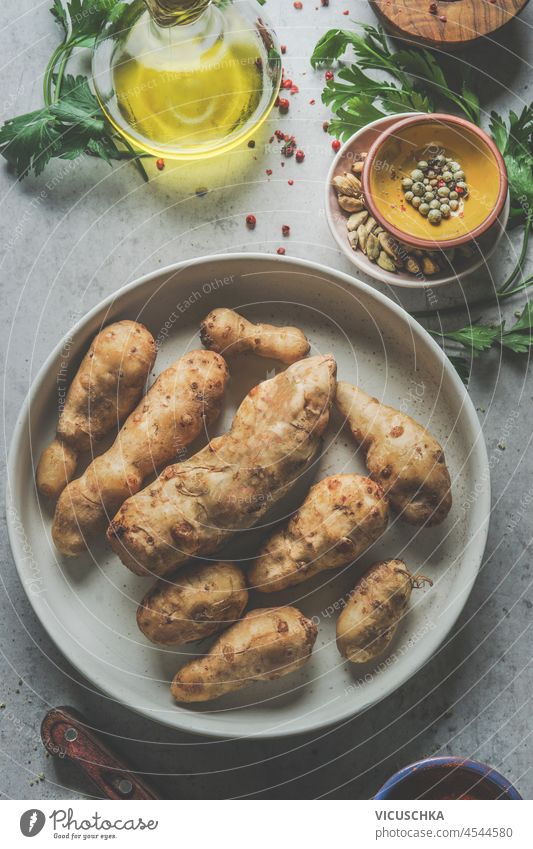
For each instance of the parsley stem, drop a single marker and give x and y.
(61, 70)
(525, 284)
(49, 73)
(136, 158)
(518, 267)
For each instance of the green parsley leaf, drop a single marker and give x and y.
(59, 13)
(515, 143)
(79, 106)
(525, 322)
(86, 18)
(417, 77)
(28, 142)
(476, 337)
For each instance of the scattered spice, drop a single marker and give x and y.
(298, 5)
(443, 18)
(312, 102)
(283, 48)
(251, 221)
(329, 75)
(251, 143)
(346, 12)
(280, 251)
(285, 230)
(280, 135)
(433, 9)
(325, 126)
(283, 105)
(324, 2)
(160, 164)
(268, 172)
(289, 147)
(300, 156)
(336, 145)
(286, 84)
(290, 182)
(201, 192)
(294, 89)
(435, 188)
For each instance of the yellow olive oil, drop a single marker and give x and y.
(194, 106)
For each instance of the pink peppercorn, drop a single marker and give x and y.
(336, 145)
(280, 251)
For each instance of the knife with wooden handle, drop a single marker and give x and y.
(66, 734)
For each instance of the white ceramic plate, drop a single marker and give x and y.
(88, 605)
(359, 143)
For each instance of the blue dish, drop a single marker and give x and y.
(447, 778)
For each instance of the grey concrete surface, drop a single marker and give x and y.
(67, 244)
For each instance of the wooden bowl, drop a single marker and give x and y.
(456, 23)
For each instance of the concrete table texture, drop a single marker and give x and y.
(79, 232)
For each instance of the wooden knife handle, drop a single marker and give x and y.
(66, 734)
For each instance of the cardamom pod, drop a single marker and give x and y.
(362, 235)
(347, 185)
(412, 266)
(389, 245)
(350, 204)
(356, 219)
(353, 239)
(370, 224)
(372, 247)
(429, 266)
(385, 262)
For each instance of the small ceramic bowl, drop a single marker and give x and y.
(394, 155)
(447, 778)
(454, 270)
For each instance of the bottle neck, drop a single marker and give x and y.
(169, 13)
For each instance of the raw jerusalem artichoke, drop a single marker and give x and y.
(196, 506)
(107, 386)
(379, 600)
(265, 645)
(401, 455)
(340, 518)
(200, 600)
(184, 398)
(227, 332)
